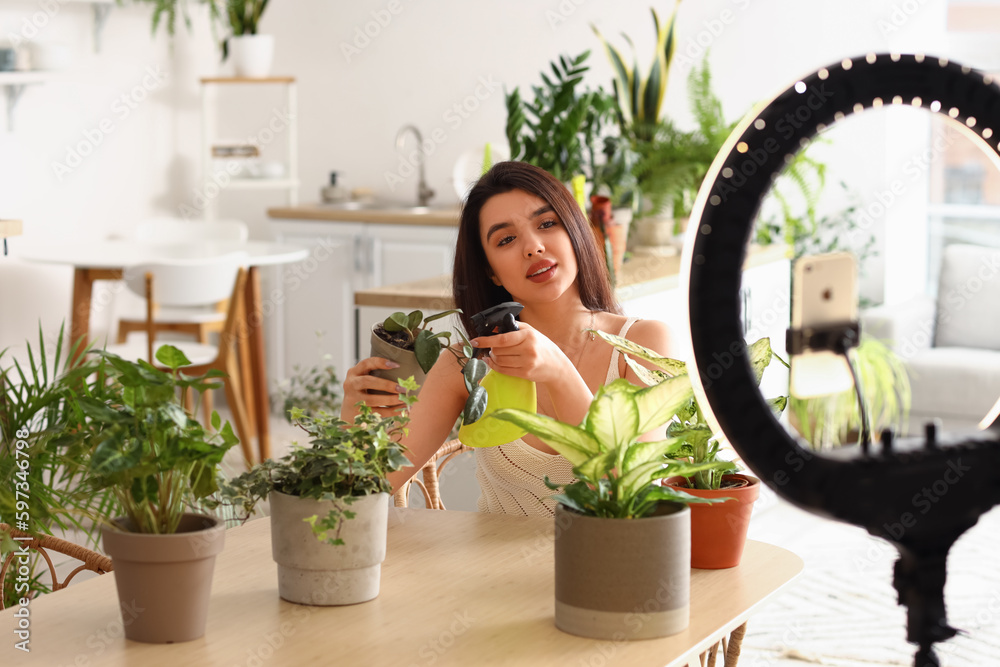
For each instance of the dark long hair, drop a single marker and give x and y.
(472, 287)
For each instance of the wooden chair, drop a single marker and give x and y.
(199, 320)
(91, 560)
(431, 473)
(191, 281)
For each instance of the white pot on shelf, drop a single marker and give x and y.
(252, 55)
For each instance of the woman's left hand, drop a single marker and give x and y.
(526, 353)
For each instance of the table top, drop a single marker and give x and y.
(643, 274)
(433, 216)
(120, 253)
(10, 228)
(458, 588)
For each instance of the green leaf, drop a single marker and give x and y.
(473, 373)
(414, 319)
(427, 349)
(396, 322)
(613, 418)
(760, 357)
(658, 404)
(112, 455)
(145, 489)
(778, 404)
(654, 450)
(672, 367)
(648, 376)
(444, 313)
(475, 405)
(171, 357)
(596, 467)
(574, 443)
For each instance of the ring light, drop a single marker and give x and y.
(874, 491)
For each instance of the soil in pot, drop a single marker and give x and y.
(164, 581)
(719, 530)
(623, 578)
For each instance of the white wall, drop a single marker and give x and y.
(427, 58)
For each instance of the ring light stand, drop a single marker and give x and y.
(877, 489)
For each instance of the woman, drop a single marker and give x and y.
(522, 237)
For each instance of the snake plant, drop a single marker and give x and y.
(640, 99)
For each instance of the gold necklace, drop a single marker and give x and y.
(583, 347)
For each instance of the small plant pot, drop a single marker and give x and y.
(406, 359)
(623, 578)
(316, 573)
(164, 581)
(719, 530)
(252, 55)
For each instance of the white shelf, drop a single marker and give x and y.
(13, 84)
(290, 182)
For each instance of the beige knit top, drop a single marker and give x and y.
(511, 476)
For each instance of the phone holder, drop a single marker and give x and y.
(838, 338)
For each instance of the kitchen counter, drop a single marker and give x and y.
(642, 275)
(429, 217)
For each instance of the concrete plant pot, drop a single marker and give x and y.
(406, 359)
(623, 578)
(316, 573)
(164, 581)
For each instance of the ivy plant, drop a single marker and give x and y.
(343, 462)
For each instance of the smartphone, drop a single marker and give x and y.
(824, 292)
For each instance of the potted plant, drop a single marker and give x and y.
(408, 340)
(622, 541)
(252, 52)
(34, 415)
(329, 504)
(158, 462)
(718, 530)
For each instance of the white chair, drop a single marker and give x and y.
(191, 283)
(951, 345)
(199, 321)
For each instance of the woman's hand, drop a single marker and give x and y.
(359, 383)
(526, 353)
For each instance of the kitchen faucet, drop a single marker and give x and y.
(424, 193)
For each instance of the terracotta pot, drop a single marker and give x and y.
(602, 218)
(406, 359)
(316, 573)
(623, 578)
(164, 581)
(719, 530)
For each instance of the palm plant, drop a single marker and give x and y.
(40, 490)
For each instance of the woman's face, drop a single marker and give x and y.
(527, 246)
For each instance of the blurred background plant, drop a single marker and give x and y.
(315, 390)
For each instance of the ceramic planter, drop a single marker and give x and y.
(164, 581)
(316, 573)
(602, 218)
(406, 359)
(252, 55)
(623, 578)
(719, 530)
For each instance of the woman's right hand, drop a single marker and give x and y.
(358, 384)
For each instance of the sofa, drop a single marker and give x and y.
(950, 343)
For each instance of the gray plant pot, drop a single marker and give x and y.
(623, 578)
(406, 359)
(316, 573)
(164, 581)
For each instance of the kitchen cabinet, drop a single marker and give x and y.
(317, 295)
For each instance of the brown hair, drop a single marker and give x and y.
(471, 285)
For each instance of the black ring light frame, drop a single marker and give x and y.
(876, 491)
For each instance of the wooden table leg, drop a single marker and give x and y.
(83, 288)
(255, 348)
